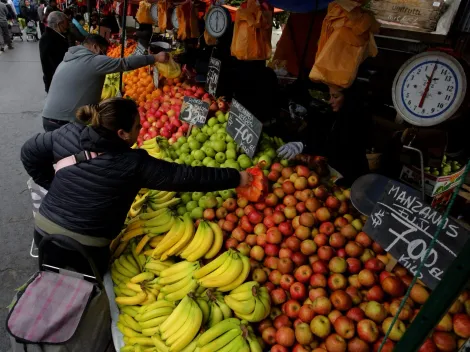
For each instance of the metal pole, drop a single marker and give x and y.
(99, 16)
(88, 7)
(123, 39)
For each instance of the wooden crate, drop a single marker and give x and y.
(417, 15)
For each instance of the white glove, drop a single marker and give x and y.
(290, 150)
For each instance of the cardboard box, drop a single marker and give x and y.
(433, 185)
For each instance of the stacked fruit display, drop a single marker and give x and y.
(327, 279)
(111, 86)
(447, 167)
(138, 85)
(115, 50)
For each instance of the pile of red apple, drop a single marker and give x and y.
(327, 279)
(159, 114)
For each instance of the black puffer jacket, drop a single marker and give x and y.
(93, 197)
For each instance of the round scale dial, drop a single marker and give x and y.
(217, 21)
(154, 13)
(429, 88)
(174, 19)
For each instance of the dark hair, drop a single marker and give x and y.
(79, 17)
(52, 1)
(68, 13)
(96, 39)
(113, 114)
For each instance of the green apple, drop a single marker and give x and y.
(220, 157)
(186, 197)
(197, 195)
(202, 201)
(188, 160)
(194, 145)
(265, 161)
(197, 213)
(203, 129)
(183, 156)
(228, 138)
(212, 121)
(191, 205)
(206, 161)
(199, 155)
(213, 163)
(220, 116)
(181, 210)
(210, 202)
(270, 152)
(233, 164)
(173, 154)
(185, 148)
(195, 131)
(215, 128)
(210, 152)
(231, 145)
(220, 201)
(266, 173)
(196, 163)
(182, 139)
(220, 136)
(202, 137)
(245, 163)
(219, 146)
(226, 194)
(209, 131)
(178, 152)
(231, 154)
(284, 162)
(170, 160)
(191, 138)
(179, 161)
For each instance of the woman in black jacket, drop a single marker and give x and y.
(340, 136)
(89, 200)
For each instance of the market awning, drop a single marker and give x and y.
(301, 6)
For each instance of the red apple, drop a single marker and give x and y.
(335, 343)
(298, 291)
(344, 327)
(275, 277)
(278, 296)
(356, 314)
(269, 335)
(354, 265)
(363, 239)
(341, 300)
(332, 202)
(337, 282)
(308, 247)
(322, 305)
(366, 278)
(337, 240)
(337, 265)
(281, 320)
(314, 293)
(292, 308)
(323, 214)
(375, 293)
(374, 265)
(293, 243)
(357, 345)
(461, 323)
(285, 253)
(271, 250)
(306, 313)
(444, 341)
(320, 267)
(317, 280)
(303, 273)
(303, 334)
(285, 266)
(285, 336)
(428, 346)
(320, 239)
(367, 331)
(393, 286)
(325, 253)
(286, 281)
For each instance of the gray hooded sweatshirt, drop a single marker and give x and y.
(79, 80)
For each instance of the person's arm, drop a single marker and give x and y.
(165, 176)
(105, 64)
(38, 159)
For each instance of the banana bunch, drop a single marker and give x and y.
(124, 268)
(138, 204)
(158, 148)
(182, 326)
(158, 200)
(213, 307)
(249, 301)
(141, 289)
(176, 240)
(228, 271)
(227, 336)
(206, 243)
(177, 281)
(150, 317)
(111, 86)
(156, 266)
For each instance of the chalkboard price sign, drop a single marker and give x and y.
(404, 226)
(244, 128)
(194, 111)
(213, 76)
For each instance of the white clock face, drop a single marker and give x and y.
(174, 19)
(429, 89)
(217, 21)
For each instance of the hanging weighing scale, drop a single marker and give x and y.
(174, 19)
(429, 89)
(217, 21)
(154, 12)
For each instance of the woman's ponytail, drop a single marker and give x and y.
(89, 114)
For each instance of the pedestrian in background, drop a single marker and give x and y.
(5, 15)
(10, 2)
(53, 45)
(74, 36)
(79, 79)
(41, 9)
(49, 9)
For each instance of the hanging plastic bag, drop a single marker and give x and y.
(187, 21)
(345, 42)
(169, 69)
(252, 33)
(143, 13)
(162, 8)
(258, 187)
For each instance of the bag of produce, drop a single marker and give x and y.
(258, 186)
(170, 69)
(345, 42)
(162, 8)
(187, 21)
(143, 13)
(252, 33)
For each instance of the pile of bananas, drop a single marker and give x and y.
(249, 301)
(225, 273)
(227, 336)
(177, 281)
(111, 86)
(213, 307)
(141, 289)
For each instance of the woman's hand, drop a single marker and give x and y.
(245, 179)
(162, 57)
(290, 150)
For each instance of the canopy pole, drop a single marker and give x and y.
(123, 39)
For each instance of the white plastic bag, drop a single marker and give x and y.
(37, 195)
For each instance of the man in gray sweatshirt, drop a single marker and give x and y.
(4, 33)
(79, 79)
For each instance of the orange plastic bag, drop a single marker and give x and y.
(252, 33)
(187, 21)
(258, 187)
(345, 42)
(162, 9)
(143, 13)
